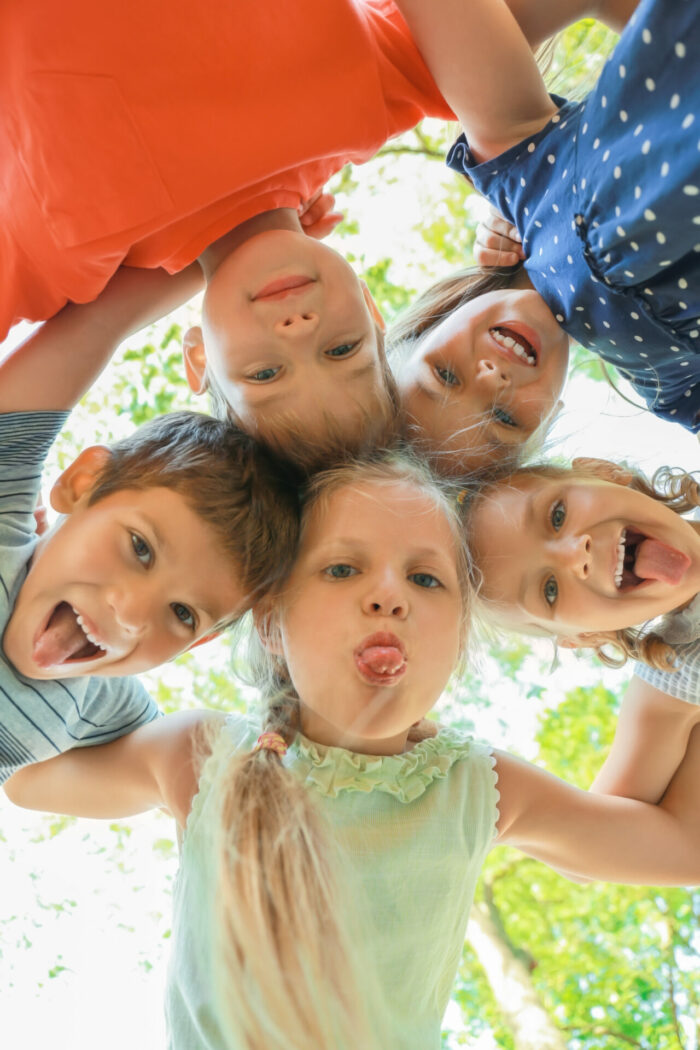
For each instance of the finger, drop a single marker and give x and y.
(41, 518)
(315, 208)
(487, 257)
(495, 222)
(324, 226)
(487, 239)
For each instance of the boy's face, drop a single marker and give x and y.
(288, 328)
(486, 377)
(370, 628)
(571, 555)
(120, 587)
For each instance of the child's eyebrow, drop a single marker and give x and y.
(350, 374)
(530, 521)
(354, 547)
(158, 536)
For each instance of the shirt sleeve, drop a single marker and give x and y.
(684, 683)
(25, 439)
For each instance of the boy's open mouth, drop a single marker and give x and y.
(65, 639)
(641, 558)
(516, 342)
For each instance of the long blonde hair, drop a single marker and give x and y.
(672, 486)
(288, 972)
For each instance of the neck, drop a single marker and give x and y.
(277, 219)
(321, 732)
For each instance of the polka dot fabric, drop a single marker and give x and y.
(607, 201)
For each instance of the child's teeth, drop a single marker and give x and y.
(85, 631)
(620, 559)
(512, 344)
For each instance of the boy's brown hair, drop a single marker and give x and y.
(225, 477)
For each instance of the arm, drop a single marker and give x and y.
(540, 19)
(484, 67)
(602, 837)
(155, 766)
(651, 738)
(54, 367)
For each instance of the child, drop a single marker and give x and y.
(291, 344)
(164, 538)
(231, 125)
(360, 642)
(603, 195)
(586, 555)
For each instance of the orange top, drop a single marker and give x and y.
(138, 131)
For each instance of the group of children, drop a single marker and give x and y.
(362, 578)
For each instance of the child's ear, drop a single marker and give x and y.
(373, 308)
(78, 480)
(195, 359)
(267, 626)
(605, 470)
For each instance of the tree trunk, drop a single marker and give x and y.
(511, 984)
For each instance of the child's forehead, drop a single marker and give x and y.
(368, 508)
(170, 514)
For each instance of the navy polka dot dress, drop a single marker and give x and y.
(606, 198)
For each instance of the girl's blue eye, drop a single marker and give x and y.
(344, 350)
(340, 571)
(446, 377)
(503, 417)
(141, 549)
(184, 615)
(264, 375)
(557, 515)
(424, 579)
(551, 591)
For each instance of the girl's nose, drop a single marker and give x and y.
(492, 374)
(386, 597)
(575, 552)
(297, 323)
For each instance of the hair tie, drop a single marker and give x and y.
(461, 496)
(271, 742)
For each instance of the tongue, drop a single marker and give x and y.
(62, 638)
(655, 561)
(382, 659)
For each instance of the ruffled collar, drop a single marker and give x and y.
(331, 770)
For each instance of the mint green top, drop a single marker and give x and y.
(415, 829)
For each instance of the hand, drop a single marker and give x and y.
(317, 216)
(41, 516)
(497, 242)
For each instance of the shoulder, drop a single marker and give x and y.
(684, 682)
(202, 745)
